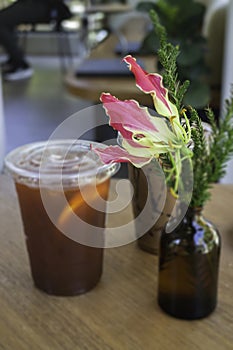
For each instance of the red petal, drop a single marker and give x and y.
(117, 154)
(149, 83)
(125, 115)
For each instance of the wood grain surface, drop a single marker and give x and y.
(122, 311)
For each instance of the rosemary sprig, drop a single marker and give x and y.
(167, 55)
(221, 143)
(200, 161)
(210, 156)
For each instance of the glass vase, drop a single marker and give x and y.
(188, 267)
(149, 189)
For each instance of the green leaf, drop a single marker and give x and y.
(146, 6)
(168, 12)
(197, 95)
(196, 72)
(190, 54)
(150, 44)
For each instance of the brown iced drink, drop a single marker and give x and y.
(61, 265)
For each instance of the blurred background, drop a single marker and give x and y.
(75, 62)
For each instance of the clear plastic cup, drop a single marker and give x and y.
(56, 181)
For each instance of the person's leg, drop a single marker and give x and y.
(26, 11)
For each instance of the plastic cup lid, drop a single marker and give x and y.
(71, 162)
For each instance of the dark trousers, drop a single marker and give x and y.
(22, 12)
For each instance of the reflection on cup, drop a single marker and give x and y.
(62, 169)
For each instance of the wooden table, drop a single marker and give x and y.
(121, 313)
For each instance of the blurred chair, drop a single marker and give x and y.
(54, 25)
(130, 30)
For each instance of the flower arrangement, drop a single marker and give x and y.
(173, 134)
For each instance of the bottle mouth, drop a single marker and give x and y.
(50, 163)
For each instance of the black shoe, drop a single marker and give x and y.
(6, 65)
(13, 73)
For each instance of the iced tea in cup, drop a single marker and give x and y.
(62, 189)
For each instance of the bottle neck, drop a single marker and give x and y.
(193, 214)
(194, 211)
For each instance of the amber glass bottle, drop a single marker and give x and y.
(188, 267)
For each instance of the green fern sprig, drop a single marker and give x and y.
(201, 184)
(167, 55)
(221, 143)
(210, 155)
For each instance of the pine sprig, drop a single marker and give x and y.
(210, 153)
(167, 55)
(221, 143)
(201, 184)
